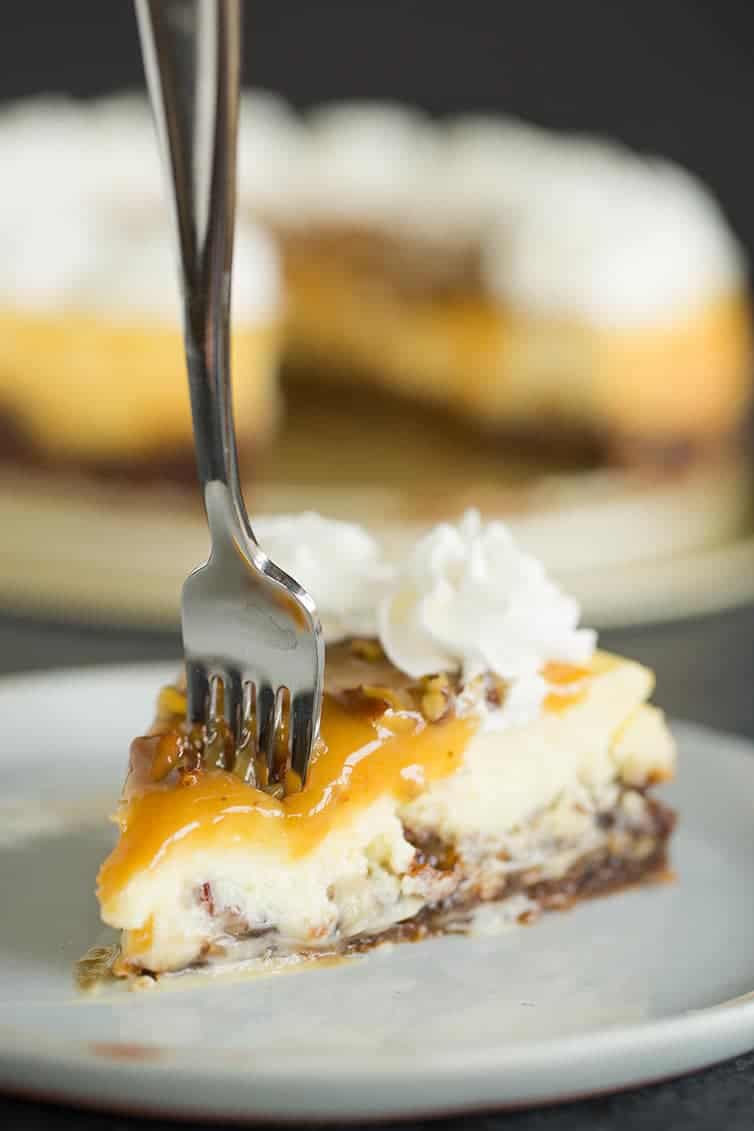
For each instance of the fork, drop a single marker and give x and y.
(252, 639)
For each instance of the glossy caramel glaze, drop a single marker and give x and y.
(568, 685)
(368, 748)
(359, 759)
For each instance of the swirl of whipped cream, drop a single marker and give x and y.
(468, 598)
(339, 563)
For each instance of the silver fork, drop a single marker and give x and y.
(248, 627)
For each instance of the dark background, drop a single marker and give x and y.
(671, 76)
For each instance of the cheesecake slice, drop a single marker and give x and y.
(463, 780)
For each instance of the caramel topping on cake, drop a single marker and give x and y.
(381, 733)
(569, 683)
(359, 758)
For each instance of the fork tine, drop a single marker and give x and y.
(302, 715)
(234, 705)
(266, 722)
(281, 755)
(197, 692)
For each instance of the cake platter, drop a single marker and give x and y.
(632, 545)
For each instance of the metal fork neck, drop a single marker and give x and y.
(192, 59)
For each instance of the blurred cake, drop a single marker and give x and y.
(453, 311)
(554, 286)
(92, 371)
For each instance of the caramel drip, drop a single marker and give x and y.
(570, 682)
(359, 760)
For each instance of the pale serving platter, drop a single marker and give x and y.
(630, 548)
(618, 992)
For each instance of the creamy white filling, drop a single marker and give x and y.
(508, 775)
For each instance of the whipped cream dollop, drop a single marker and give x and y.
(466, 598)
(339, 563)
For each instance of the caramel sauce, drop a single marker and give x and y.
(571, 683)
(359, 759)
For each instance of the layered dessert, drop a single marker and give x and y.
(92, 367)
(479, 761)
(533, 284)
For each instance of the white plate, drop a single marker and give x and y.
(618, 992)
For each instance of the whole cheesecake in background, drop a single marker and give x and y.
(553, 287)
(479, 762)
(427, 315)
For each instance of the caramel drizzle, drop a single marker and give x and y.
(375, 740)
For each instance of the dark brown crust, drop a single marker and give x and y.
(596, 874)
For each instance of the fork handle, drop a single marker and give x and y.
(192, 60)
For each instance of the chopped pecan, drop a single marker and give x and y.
(435, 700)
(396, 697)
(367, 648)
(497, 689)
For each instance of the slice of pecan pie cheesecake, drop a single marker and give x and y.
(479, 761)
